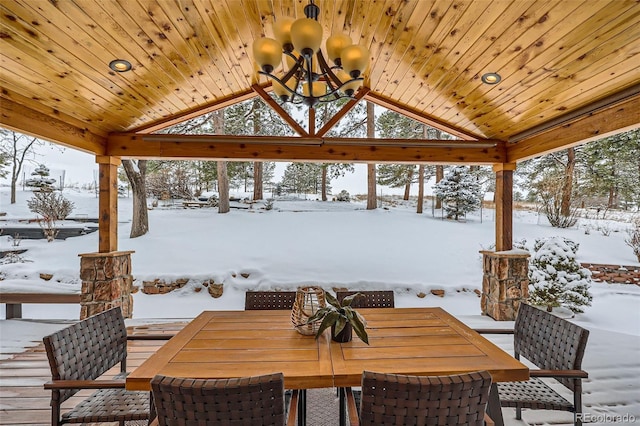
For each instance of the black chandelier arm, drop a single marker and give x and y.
(281, 82)
(294, 69)
(330, 77)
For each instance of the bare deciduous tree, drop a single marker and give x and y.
(52, 207)
(16, 151)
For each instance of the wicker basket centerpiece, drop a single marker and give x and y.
(308, 301)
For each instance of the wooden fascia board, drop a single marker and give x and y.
(22, 119)
(196, 112)
(334, 150)
(617, 118)
(418, 116)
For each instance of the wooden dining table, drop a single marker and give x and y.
(417, 341)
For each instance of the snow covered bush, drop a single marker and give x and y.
(556, 277)
(343, 196)
(633, 238)
(460, 191)
(52, 207)
(268, 204)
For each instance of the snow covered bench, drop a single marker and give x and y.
(14, 301)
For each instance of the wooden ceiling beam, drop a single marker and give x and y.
(606, 121)
(586, 110)
(274, 148)
(22, 119)
(279, 110)
(343, 111)
(196, 112)
(393, 105)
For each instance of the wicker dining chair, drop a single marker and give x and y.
(556, 346)
(394, 399)
(81, 353)
(269, 300)
(257, 400)
(369, 299)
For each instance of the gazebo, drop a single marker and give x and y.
(512, 80)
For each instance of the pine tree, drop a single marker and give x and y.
(41, 179)
(460, 192)
(302, 178)
(556, 278)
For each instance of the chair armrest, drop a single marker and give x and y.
(84, 384)
(488, 421)
(149, 336)
(570, 374)
(154, 422)
(351, 407)
(493, 330)
(293, 408)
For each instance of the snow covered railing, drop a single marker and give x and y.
(14, 301)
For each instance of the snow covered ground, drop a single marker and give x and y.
(334, 245)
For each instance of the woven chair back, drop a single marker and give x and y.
(86, 349)
(393, 399)
(550, 342)
(369, 299)
(269, 300)
(257, 400)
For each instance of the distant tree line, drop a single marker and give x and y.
(603, 174)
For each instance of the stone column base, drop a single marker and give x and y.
(505, 283)
(106, 283)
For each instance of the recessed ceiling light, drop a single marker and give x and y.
(491, 78)
(120, 65)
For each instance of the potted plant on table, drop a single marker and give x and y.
(342, 319)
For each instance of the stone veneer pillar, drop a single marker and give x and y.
(106, 282)
(505, 283)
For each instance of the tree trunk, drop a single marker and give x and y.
(565, 206)
(407, 186)
(257, 181)
(372, 202)
(223, 177)
(324, 182)
(17, 159)
(223, 187)
(137, 179)
(420, 188)
(439, 177)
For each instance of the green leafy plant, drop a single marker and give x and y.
(338, 314)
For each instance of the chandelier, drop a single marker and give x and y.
(310, 80)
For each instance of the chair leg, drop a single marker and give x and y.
(55, 410)
(518, 412)
(577, 402)
(494, 410)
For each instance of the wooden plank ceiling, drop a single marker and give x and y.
(567, 66)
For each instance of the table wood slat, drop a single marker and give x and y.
(471, 352)
(419, 341)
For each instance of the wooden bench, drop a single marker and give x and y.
(194, 204)
(14, 301)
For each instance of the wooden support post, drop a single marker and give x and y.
(504, 205)
(312, 122)
(108, 204)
